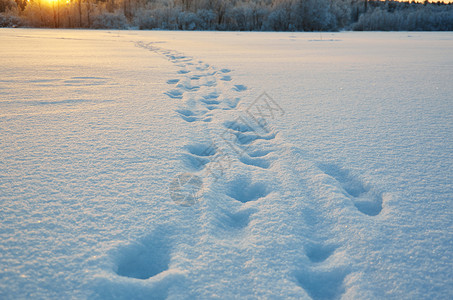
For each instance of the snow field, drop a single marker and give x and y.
(152, 165)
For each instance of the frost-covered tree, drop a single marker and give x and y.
(7, 5)
(276, 15)
(393, 16)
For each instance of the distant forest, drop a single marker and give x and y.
(244, 15)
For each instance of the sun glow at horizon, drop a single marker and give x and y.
(52, 2)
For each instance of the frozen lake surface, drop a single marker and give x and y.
(185, 165)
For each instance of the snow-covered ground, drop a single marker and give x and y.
(151, 165)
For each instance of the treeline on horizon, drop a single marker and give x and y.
(234, 15)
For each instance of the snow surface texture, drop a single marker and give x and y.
(151, 165)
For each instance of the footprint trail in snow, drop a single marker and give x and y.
(251, 181)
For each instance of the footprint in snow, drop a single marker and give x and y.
(238, 125)
(225, 78)
(198, 155)
(203, 67)
(194, 162)
(144, 259)
(209, 101)
(366, 200)
(239, 88)
(212, 107)
(190, 116)
(248, 138)
(187, 86)
(202, 149)
(322, 284)
(242, 142)
(209, 82)
(317, 252)
(174, 94)
(177, 58)
(183, 71)
(232, 103)
(172, 81)
(244, 190)
(187, 115)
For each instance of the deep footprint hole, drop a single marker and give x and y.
(244, 190)
(318, 252)
(144, 259)
(370, 204)
(323, 285)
